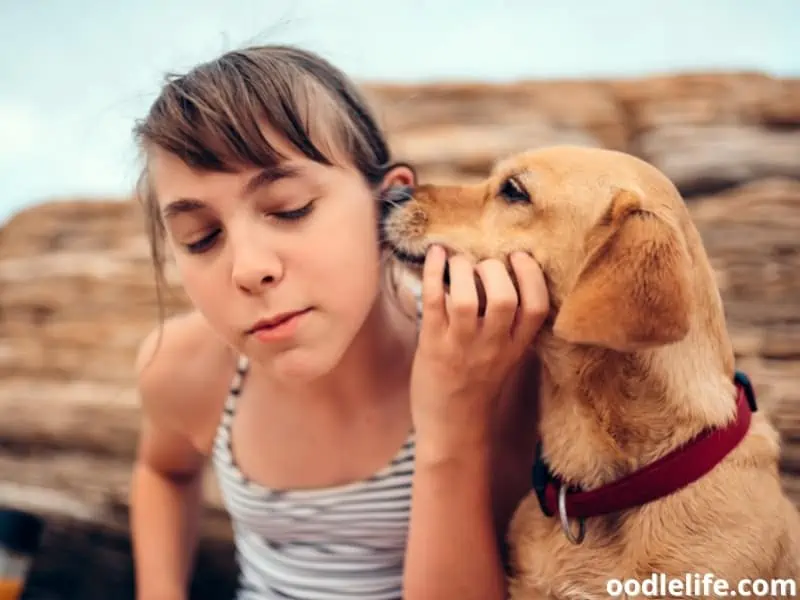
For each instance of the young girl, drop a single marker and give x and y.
(361, 454)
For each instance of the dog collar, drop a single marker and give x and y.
(665, 476)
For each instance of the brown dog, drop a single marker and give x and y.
(636, 364)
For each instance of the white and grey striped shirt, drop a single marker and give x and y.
(345, 541)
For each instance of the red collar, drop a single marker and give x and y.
(670, 473)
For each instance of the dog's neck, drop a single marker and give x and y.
(604, 414)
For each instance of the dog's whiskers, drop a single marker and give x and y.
(394, 197)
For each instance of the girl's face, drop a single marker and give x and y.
(284, 263)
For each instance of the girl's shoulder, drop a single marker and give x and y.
(183, 373)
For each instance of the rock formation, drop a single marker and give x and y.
(77, 295)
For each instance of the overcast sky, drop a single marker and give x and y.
(75, 73)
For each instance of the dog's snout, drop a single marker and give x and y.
(398, 194)
(394, 197)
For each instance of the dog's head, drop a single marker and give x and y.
(606, 228)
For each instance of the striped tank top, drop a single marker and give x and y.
(345, 541)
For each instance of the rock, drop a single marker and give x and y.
(706, 131)
(702, 158)
(751, 235)
(77, 288)
(700, 100)
(475, 147)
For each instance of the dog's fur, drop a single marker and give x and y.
(635, 361)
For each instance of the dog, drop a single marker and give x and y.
(654, 460)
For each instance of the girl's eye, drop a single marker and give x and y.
(203, 244)
(206, 243)
(294, 215)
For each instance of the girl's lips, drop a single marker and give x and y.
(275, 321)
(277, 327)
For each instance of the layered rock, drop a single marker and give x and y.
(77, 289)
(704, 131)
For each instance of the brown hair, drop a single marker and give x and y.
(210, 118)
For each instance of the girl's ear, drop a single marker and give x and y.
(399, 174)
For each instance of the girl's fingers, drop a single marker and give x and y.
(462, 302)
(434, 313)
(501, 300)
(534, 304)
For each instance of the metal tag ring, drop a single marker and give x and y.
(562, 513)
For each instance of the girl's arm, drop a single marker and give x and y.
(164, 511)
(453, 549)
(180, 402)
(461, 364)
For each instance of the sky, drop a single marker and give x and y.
(75, 74)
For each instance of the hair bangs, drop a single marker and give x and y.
(222, 116)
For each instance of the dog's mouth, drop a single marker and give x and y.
(415, 262)
(407, 258)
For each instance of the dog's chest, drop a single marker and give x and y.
(577, 440)
(548, 565)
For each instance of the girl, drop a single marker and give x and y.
(359, 454)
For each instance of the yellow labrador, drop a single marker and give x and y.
(655, 465)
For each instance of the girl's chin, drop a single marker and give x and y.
(296, 365)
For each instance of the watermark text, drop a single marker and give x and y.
(700, 584)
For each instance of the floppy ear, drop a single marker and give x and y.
(634, 290)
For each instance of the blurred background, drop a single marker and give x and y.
(707, 91)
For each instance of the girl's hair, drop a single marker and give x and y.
(211, 118)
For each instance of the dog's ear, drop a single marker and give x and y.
(634, 290)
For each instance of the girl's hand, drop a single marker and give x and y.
(462, 358)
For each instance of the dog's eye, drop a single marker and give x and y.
(512, 191)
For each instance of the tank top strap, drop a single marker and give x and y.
(234, 390)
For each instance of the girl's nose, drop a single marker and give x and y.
(255, 266)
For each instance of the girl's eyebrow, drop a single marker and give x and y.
(270, 175)
(264, 177)
(182, 206)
